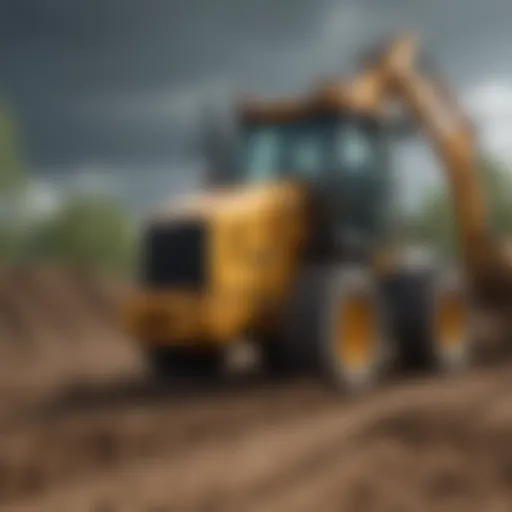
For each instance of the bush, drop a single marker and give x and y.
(435, 221)
(89, 231)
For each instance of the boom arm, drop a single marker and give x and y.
(436, 110)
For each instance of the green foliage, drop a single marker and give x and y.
(89, 231)
(12, 181)
(11, 244)
(12, 177)
(435, 221)
(497, 182)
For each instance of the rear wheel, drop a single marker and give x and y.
(168, 363)
(335, 326)
(452, 331)
(432, 320)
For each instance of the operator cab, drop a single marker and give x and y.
(342, 159)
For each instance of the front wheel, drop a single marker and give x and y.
(335, 326)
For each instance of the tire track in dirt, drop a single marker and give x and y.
(67, 445)
(405, 456)
(249, 448)
(293, 461)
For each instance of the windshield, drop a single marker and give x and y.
(346, 156)
(311, 150)
(306, 151)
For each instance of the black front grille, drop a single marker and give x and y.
(174, 255)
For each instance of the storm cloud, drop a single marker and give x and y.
(118, 88)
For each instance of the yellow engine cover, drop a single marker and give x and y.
(254, 236)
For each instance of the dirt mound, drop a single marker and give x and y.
(54, 300)
(81, 429)
(428, 446)
(58, 325)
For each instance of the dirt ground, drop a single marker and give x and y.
(83, 429)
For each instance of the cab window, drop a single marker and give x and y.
(306, 151)
(355, 150)
(263, 152)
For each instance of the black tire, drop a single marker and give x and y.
(459, 356)
(276, 359)
(311, 341)
(167, 364)
(413, 297)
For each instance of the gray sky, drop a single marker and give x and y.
(110, 92)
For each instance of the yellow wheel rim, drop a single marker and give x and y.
(356, 326)
(451, 321)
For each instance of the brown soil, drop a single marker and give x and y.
(83, 429)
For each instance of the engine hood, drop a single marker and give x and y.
(229, 201)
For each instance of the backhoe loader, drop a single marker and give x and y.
(292, 248)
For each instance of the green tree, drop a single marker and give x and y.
(12, 177)
(435, 222)
(12, 182)
(89, 231)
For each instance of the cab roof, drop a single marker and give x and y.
(360, 96)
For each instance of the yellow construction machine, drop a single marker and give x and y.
(292, 250)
